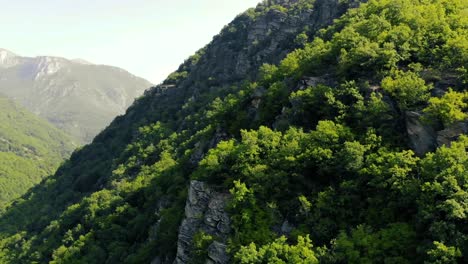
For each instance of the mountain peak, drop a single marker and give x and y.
(6, 57)
(7, 52)
(66, 92)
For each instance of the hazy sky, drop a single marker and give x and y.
(149, 38)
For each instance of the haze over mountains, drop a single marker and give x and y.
(74, 95)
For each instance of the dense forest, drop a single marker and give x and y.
(30, 149)
(335, 128)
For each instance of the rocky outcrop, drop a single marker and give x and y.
(217, 253)
(309, 82)
(422, 137)
(255, 103)
(201, 147)
(251, 40)
(452, 133)
(204, 211)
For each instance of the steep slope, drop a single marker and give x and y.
(30, 149)
(77, 97)
(235, 160)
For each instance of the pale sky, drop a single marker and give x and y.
(149, 38)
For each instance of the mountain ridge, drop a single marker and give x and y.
(67, 92)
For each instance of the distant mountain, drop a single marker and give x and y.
(30, 148)
(75, 95)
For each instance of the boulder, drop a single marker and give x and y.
(452, 133)
(217, 253)
(422, 137)
(286, 228)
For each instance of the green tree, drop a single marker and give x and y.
(449, 108)
(278, 252)
(407, 88)
(393, 244)
(441, 254)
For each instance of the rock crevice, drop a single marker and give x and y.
(204, 212)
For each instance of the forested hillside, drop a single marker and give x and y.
(30, 149)
(290, 138)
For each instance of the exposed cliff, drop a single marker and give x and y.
(205, 211)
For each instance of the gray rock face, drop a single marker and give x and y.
(79, 97)
(198, 154)
(204, 211)
(233, 56)
(203, 146)
(256, 101)
(286, 228)
(157, 260)
(422, 137)
(452, 133)
(217, 253)
(313, 81)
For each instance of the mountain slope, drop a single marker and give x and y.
(76, 96)
(30, 149)
(301, 160)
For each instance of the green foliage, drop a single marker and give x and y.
(394, 244)
(30, 149)
(301, 39)
(268, 73)
(442, 204)
(407, 88)
(250, 220)
(278, 252)
(343, 104)
(177, 76)
(449, 109)
(275, 97)
(317, 102)
(201, 242)
(441, 254)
